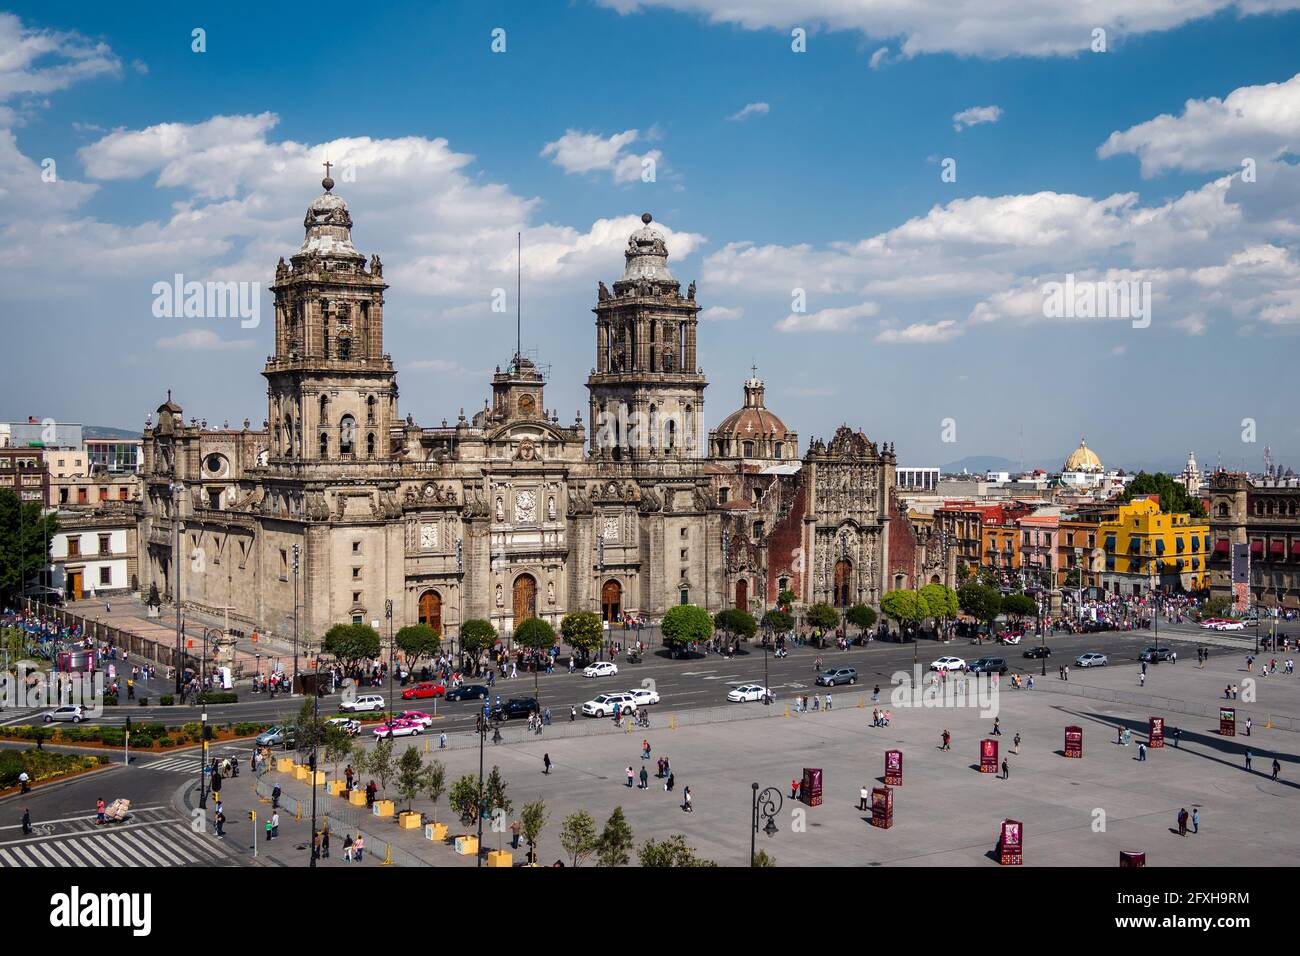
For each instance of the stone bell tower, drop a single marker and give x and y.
(332, 392)
(646, 391)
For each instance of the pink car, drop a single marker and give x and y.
(423, 719)
(400, 728)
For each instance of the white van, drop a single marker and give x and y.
(364, 702)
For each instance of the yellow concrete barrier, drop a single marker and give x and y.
(300, 771)
(384, 808)
(357, 798)
(501, 858)
(336, 788)
(437, 832)
(467, 845)
(284, 765)
(409, 820)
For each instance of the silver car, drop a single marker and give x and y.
(72, 712)
(1091, 659)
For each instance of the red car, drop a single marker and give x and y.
(425, 689)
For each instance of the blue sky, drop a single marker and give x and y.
(924, 297)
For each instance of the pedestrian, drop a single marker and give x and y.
(1144, 668)
(1015, 744)
(875, 694)
(514, 835)
(546, 764)
(947, 741)
(645, 749)
(1142, 751)
(1142, 678)
(1248, 726)
(269, 836)
(442, 741)
(221, 823)
(997, 726)
(573, 713)
(99, 811)
(325, 842)
(645, 778)
(1006, 769)
(863, 796)
(794, 789)
(1182, 822)
(686, 800)
(275, 824)
(1196, 820)
(1277, 768)
(1177, 735)
(671, 782)
(27, 821)
(630, 777)
(359, 847)
(1061, 673)
(828, 701)
(347, 848)
(1067, 672)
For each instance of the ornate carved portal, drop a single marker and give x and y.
(843, 583)
(611, 601)
(525, 598)
(431, 610)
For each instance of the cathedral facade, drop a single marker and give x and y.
(510, 513)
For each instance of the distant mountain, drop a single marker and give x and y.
(104, 431)
(979, 464)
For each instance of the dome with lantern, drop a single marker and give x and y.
(753, 431)
(1083, 459)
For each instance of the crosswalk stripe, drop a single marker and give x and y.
(60, 854)
(103, 842)
(75, 850)
(22, 857)
(126, 846)
(34, 850)
(161, 848)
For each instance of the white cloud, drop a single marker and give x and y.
(45, 61)
(1214, 135)
(975, 116)
(921, 333)
(201, 340)
(751, 109)
(880, 58)
(719, 313)
(579, 152)
(827, 320)
(968, 27)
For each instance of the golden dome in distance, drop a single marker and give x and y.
(1083, 459)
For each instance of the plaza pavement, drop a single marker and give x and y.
(1075, 812)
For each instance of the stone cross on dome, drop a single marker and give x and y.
(328, 181)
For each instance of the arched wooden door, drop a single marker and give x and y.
(843, 579)
(742, 594)
(525, 598)
(611, 601)
(431, 610)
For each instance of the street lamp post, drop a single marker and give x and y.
(203, 716)
(388, 613)
(293, 687)
(177, 490)
(766, 804)
(315, 760)
(482, 739)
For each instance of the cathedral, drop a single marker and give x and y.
(507, 514)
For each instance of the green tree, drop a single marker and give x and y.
(785, 599)
(435, 785)
(410, 776)
(536, 634)
(778, 621)
(903, 606)
(464, 797)
(980, 601)
(380, 764)
(941, 601)
(494, 793)
(1019, 606)
(417, 641)
(614, 846)
(763, 858)
(578, 836)
(583, 631)
(25, 536)
(672, 852)
(1174, 497)
(685, 624)
(351, 643)
(337, 746)
(308, 727)
(823, 617)
(736, 622)
(476, 635)
(532, 819)
(359, 758)
(861, 617)
(1220, 606)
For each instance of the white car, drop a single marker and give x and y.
(948, 664)
(72, 712)
(1232, 626)
(749, 693)
(600, 669)
(363, 703)
(606, 705)
(644, 696)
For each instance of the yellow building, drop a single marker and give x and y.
(1146, 548)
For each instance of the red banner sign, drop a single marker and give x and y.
(1011, 843)
(988, 756)
(1074, 741)
(894, 768)
(1228, 721)
(1156, 732)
